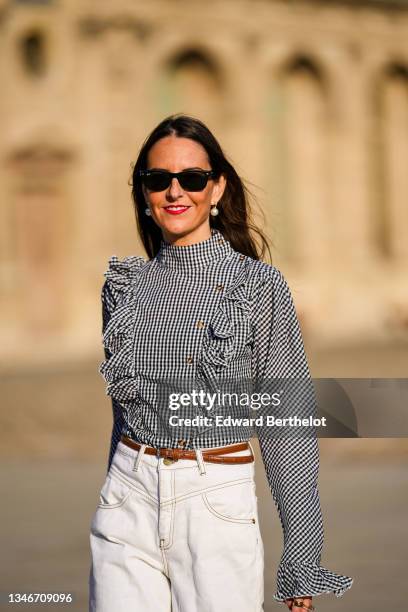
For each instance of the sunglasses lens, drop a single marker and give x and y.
(157, 181)
(193, 181)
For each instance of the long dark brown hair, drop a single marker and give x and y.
(234, 220)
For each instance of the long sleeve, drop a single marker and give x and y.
(108, 299)
(291, 462)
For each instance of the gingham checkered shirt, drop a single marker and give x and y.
(208, 312)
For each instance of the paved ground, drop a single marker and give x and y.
(47, 507)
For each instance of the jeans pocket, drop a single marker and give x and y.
(114, 492)
(235, 503)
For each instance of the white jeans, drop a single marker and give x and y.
(176, 538)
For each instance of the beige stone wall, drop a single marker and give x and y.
(309, 100)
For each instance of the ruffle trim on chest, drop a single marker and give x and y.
(118, 338)
(221, 341)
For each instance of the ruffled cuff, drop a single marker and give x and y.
(297, 579)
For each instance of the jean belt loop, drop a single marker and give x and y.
(252, 450)
(139, 457)
(200, 461)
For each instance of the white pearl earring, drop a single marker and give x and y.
(147, 212)
(214, 210)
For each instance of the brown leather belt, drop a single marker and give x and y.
(210, 455)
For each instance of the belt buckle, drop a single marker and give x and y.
(169, 460)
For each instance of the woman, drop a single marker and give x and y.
(177, 523)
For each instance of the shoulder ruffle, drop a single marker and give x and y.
(121, 272)
(220, 342)
(296, 579)
(118, 370)
(237, 309)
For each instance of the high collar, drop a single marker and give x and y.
(194, 255)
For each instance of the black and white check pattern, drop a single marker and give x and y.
(208, 313)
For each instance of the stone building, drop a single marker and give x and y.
(308, 99)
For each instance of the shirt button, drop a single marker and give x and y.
(182, 443)
(189, 359)
(200, 324)
(220, 241)
(219, 287)
(241, 257)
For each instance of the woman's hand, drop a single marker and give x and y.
(307, 603)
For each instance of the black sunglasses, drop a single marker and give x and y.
(190, 180)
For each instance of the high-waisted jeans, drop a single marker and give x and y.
(183, 537)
